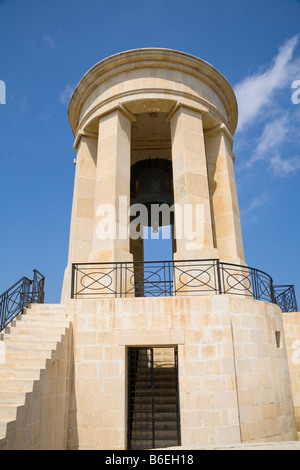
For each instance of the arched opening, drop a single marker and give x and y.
(152, 200)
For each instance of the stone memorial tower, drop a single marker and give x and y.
(181, 352)
(189, 351)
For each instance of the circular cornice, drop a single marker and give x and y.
(153, 57)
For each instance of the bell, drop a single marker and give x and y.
(154, 186)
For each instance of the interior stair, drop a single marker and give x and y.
(155, 422)
(27, 345)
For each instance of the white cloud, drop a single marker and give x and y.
(274, 134)
(284, 167)
(24, 104)
(250, 213)
(66, 94)
(257, 202)
(260, 104)
(49, 40)
(255, 92)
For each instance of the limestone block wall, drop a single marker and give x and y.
(291, 323)
(263, 380)
(234, 381)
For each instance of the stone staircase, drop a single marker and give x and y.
(155, 408)
(27, 347)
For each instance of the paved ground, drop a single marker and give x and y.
(291, 445)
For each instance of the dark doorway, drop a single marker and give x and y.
(153, 398)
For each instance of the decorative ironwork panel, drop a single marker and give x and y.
(285, 298)
(242, 280)
(196, 277)
(95, 280)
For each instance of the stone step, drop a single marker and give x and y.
(158, 425)
(163, 393)
(161, 407)
(8, 413)
(28, 337)
(44, 310)
(159, 444)
(40, 314)
(15, 385)
(158, 384)
(158, 400)
(162, 443)
(158, 415)
(29, 346)
(25, 363)
(40, 321)
(41, 311)
(164, 360)
(169, 434)
(3, 427)
(35, 328)
(19, 374)
(50, 307)
(165, 416)
(12, 398)
(167, 373)
(158, 381)
(17, 352)
(167, 364)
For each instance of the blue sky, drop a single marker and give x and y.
(47, 46)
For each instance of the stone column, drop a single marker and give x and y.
(225, 208)
(191, 192)
(193, 226)
(82, 219)
(112, 190)
(111, 210)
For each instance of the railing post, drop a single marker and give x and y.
(121, 278)
(3, 308)
(294, 299)
(38, 285)
(273, 299)
(170, 279)
(25, 297)
(177, 396)
(255, 289)
(72, 280)
(152, 398)
(219, 277)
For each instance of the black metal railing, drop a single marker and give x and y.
(173, 278)
(19, 296)
(285, 297)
